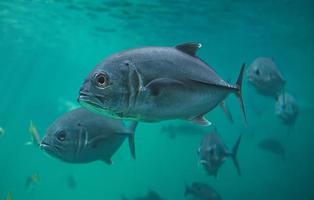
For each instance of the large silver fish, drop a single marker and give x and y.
(156, 83)
(213, 152)
(265, 76)
(81, 136)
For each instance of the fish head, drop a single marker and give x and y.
(105, 91)
(64, 142)
(259, 72)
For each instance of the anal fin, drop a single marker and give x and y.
(226, 110)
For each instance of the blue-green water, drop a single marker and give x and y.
(48, 47)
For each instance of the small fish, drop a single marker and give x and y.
(186, 129)
(265, 76)
(9, 196)
(212, 153)
(36, 140)
(71, 182)
(1, 131)
(81, 136)
(151, 195)
(153, 84)
(32, 180)
(286, 108)
(201, 191)
(273, 146)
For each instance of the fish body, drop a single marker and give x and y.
(265, 76)
(273, 146)
(156, 83)
(212, 153)
(202, 191)
(36, 140)
(286, 108)
(81, 136)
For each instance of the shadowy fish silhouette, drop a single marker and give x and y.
(201, 191)
(32, 180)
(212, 153)
(81, 136)
(151, 195)
(273, 146)
(286, 108)
(155, 84)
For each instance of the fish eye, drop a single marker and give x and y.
(101, 80)
(61, 136)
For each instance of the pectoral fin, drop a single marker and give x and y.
(201, 120)
(157, 85)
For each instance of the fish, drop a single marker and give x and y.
(151, 195)
(212, 153)
(182, 129)
(31, 180)
(286, 109)
(265, 76)
(201, 191)
(2, 131)
(80, 136)
(273, 146)
(71, 182)
(154, 84)
(9, 196)
(36, 140)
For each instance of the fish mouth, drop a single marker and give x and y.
(51, 150)
(95, 104)
(88, 99)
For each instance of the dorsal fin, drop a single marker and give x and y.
(189, 48)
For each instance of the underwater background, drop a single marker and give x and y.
(48, 47)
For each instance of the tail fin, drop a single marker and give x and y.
(187, 190)
(234, 155)
(131, 139)
(239, 91)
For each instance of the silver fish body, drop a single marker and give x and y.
(265, 76)
(81, 136)
(154, 84)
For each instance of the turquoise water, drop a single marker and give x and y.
(48, 47)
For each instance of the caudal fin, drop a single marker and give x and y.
(131, 139)
(239, 90)
(234, 155)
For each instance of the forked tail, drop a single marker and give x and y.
(239, 91)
